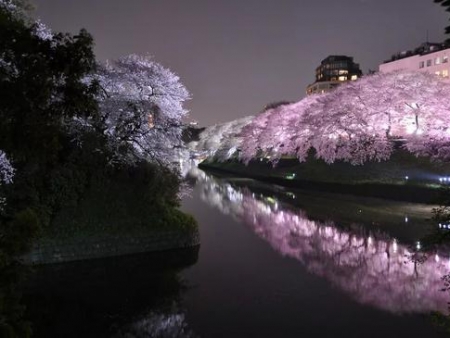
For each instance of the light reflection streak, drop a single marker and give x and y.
(172, 325)
(374, 271)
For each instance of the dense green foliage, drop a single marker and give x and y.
(123, 201)
(64, 177)
(42, 86)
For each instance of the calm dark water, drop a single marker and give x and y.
(272, 263)
(130, 296)
(267, 268)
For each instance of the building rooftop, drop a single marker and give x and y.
(332, 71)
(423, 49)
(333, 58)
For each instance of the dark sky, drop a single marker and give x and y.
(235, 56)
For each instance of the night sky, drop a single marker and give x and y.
(235, 56)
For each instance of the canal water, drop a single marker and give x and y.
(279, 263)
(272, 263)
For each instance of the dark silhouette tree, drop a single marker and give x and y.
(446, 4)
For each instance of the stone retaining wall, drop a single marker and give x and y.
(48, 251)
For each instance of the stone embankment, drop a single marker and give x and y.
(343, 179)
(58, 251)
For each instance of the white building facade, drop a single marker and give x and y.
(432, 58)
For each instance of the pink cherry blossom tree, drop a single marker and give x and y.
(359, 121)
(287, 132)
(142, 109)
(251, 135)
(379, 108)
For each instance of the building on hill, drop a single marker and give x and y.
(334, 70)
(428, 57)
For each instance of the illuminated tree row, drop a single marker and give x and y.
(221, 140)
(358, 121)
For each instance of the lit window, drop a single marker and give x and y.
(354, 77)
(437, 73)
(428, 63)
(343, 72)
(437, 61)
(445, 59)
(342, 78)
(445, 73)
(421, 64)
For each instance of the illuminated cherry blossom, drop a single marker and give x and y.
(142, 107)
(359, 121)
(6, 169)
(42, 31)
(279, 131)
(221, 140)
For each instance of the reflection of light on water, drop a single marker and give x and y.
(395, 246)
(158, 325)
(374, 271)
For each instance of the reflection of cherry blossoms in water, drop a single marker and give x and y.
(159, 326)
(374, 271)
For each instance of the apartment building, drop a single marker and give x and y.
(429, 57)
(334, 70)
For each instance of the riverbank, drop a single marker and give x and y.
(50, 251)
(122, 214)
(402, 178)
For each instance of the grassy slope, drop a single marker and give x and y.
(382, 179)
